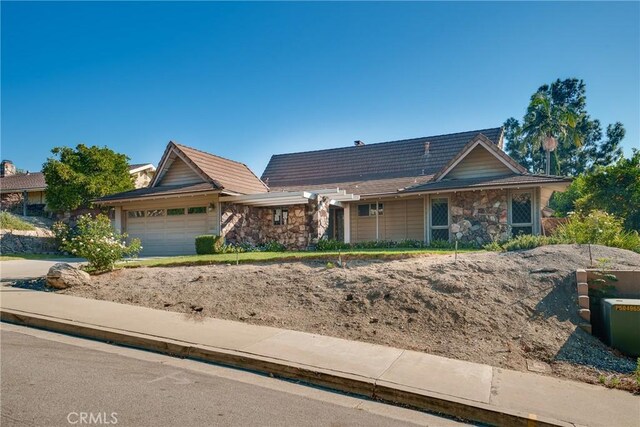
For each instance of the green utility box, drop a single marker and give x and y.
(621, 324)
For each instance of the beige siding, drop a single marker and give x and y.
(171, 235)
(478, 163)
(36, 198)
(402, 219)
(179, 173)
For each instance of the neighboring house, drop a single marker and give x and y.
(449, 187)
(26, 192)
(142, 174)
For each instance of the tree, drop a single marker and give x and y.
(76, 176)
(614, 189)
(560, 109)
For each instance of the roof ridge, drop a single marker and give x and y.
(389, 142)
(209, 154)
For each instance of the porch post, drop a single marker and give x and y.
(25, 200)
(377, 221)
(117, 221)
(346, 217)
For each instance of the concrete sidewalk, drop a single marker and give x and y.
(21, 269)
(468, 390)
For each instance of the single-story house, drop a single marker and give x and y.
(459, 186)
(28, 189)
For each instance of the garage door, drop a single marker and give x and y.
(167, 231)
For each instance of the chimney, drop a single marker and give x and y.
(7, 168)
(427, 146)
(358, 143)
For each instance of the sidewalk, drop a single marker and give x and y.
(468, 390)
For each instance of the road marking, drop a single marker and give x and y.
(176, 377)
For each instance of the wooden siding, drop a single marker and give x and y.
(478, 163)
(402, 219)
(36, 198)
(179, 173)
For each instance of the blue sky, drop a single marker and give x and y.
(247, 80)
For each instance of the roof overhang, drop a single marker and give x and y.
(117, 202)
(286, 198)
(22, 190)
(142, 168)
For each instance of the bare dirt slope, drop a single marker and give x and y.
(497, 309)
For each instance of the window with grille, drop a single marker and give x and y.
(135, 214)
(439, 219)
(176, 211)
(197, 210)
(370, 209)
(280, 216)
(521, 213)
(155, 212)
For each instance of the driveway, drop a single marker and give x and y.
(29, 268)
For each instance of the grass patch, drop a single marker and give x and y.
(250, 257)
(12, 222)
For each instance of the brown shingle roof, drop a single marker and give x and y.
(364, 188)
(151, 192)
(21, 182)
(224, 173)
(371, 162)
(507, 180)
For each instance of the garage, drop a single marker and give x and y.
(170, 231)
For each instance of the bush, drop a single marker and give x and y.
(272, 246)
(528, 241)
(209, 244)
(598, 228)
(12, 222)
(94, 239)
(331, 245)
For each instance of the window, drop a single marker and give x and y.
(280, 216)
(155, 212)
(175, 211)
(370, 209)
(135, 214)
(439, 219)
(197, 210)
(521, 213)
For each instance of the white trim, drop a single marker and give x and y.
(531, 224)
(347, 222)
(142, 168)
(466, 153)
(117, 219)
(168, 196)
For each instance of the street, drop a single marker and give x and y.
(56, 380)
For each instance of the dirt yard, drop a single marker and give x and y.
(506, 310)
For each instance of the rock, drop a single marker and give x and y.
(455, 228)
(63, 275)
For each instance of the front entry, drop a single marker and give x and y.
(335, 231)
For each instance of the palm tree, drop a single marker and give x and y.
(547, 124)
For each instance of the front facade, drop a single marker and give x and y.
(449, 187)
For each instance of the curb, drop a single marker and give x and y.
(335, 380)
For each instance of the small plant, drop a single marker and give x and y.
(330, 265)
(209, 244)
(615, 382)
(94, 239)
(273, 246)
(637, 372)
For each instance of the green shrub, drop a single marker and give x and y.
(12, 222)
(94, 239)
(528, 241)
(273, 246)
(209, 244)
(331, 245)
(598, 228)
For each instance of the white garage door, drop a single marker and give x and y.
(167, 231)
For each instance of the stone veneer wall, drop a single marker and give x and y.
(479, 216)
(306, 224)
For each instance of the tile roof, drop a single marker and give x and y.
(507, 180)
(224, 173)
(23, 181)
(364, 188)
(151, 192)
(372, 162)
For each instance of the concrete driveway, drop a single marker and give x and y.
(29, 268)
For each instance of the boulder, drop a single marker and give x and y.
(63, 275)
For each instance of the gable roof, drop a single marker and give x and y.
(137, 167)
(485, 142)
(22, 182)
(489, 182)
(389, 166)
(223, 173)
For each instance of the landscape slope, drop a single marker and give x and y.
(501, 309)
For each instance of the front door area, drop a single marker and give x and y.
(335, 231)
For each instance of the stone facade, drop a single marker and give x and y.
(306, 224)
(27, 242)
(479, 216)
(11, 201)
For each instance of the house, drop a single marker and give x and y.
(26, 191)
(460, 186)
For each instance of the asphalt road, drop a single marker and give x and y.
(49, 379)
